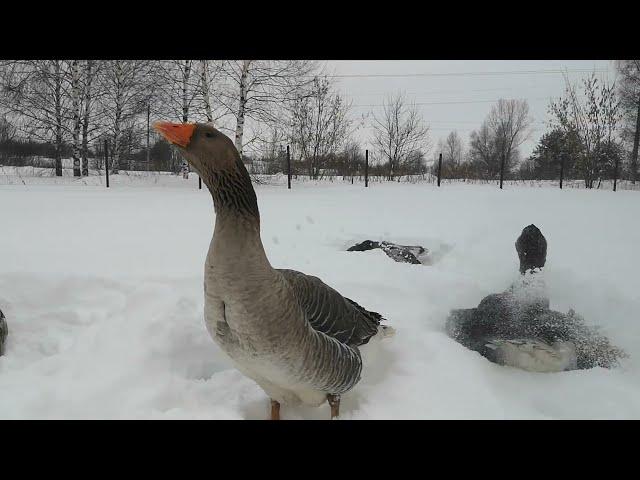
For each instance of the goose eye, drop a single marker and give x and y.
(208, 134)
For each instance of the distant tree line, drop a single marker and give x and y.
(55, 109)
(593, 134)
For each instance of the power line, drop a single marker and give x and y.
(471, 122)
(447, 103)
(461, 74)
(435, 92)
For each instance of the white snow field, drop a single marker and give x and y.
(103, 294)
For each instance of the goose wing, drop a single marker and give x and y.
(330, 313)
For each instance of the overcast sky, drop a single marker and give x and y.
(472, 81)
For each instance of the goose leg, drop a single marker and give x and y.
(275, 410)
(334, 402)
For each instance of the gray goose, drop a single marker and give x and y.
(296, 337)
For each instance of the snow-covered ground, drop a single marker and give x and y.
(102, 290)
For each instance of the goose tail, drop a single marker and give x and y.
(374, 349)
(386, 331)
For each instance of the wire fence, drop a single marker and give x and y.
(39, 170)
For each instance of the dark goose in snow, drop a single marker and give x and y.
(517, 328)
(398, 253)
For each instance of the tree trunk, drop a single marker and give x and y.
(58, 108)
(185, 89)
(242, 105)
(115, 152)
(185, 107)
(58, 154)
(75, 100)
(85, 122)
(205, 90)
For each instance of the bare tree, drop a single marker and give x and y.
(126, 94)
(179, 86)
(91, 124)
(509, 122)
(76, 101)
(483, 152)
(258, 89)
(593, 120)
(629, 92)
(38, 92)
(452, 152)
(319, 123)
(7, 130)
(353, 158)
(210, 71)
(399, 131)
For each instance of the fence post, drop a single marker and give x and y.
(615, 174)
(148, 117)
(561, 169)
(288, 169)
(440, 169)
(366, 168)
(106, 161)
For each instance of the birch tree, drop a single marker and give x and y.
(629, 92)
(178, 87)
(91, 124)
(210, 72)
(76, 106)
(257, 90)
(398, 131)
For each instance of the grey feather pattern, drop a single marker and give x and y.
(330, 313)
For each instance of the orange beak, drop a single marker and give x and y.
(178, 133)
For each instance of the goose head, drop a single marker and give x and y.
(202, 145)
(214, 156)
(532, 249)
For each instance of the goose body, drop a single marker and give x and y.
(295, 336)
